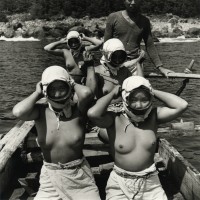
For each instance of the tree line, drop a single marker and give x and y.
(45, 9)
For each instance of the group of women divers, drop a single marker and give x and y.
(113, 96)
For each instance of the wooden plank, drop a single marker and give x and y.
(173, 75)
(185, 175)
(91, 135)
(9, 135)
(91, 153)
(15, 140)
(101, 168)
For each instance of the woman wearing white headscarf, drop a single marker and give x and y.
(132, 137)
(112, 71)
(61, 125)
(73, 51)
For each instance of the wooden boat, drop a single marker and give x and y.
(21, 160)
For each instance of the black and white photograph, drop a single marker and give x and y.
(100, 100)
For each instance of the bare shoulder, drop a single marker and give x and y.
(66, 51)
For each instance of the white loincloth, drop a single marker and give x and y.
(70, 181)
(143, 185)
(134, 63)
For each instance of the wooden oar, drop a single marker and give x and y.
(173, 75)
(185, 81)
(186, 74)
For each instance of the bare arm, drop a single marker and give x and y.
(85, 97)
(88, 68)
(27, 108)
(51, 48)
(152, 51)
(96, 43)
(98, 113)
(175, 106)
(91, 79)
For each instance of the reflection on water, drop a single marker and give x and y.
(21, 65)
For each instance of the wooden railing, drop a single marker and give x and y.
(11, 141)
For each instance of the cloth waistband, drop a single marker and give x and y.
(151, 171)
(70, 165)
(117, 104)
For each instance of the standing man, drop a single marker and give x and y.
(130, 26)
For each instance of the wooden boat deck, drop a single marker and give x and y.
(175, 173)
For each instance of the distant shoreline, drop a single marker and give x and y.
(164, 26)
(159, 40)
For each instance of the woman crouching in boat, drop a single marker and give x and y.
(132, 137)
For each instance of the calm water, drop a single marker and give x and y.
(21, 65)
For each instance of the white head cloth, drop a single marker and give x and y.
(75, 34)
(109, 47)
(129, 84)
(53, 73)
(49, 75)
(132, 83)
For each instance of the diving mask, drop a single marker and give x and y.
(59, 91)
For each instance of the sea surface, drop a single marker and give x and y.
(22, 63)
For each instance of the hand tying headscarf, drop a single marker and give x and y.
(74, 42)
(129, 85)
(49, 77)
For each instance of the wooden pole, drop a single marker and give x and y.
(15, 139)
(185, 81)
(189, 68)
(9, 135)
(174, 75)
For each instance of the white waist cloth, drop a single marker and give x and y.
(143, 185)
(70, 181)
(134, 63)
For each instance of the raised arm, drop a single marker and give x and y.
(85, 97)
(51, 48)
(88, 70)
(98, 113)
(96, 43)
(175, 106)
(27, 108)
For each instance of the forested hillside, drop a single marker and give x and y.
(45, 9)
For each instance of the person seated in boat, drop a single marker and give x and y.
(60, 125)
(132, 137)
(112, 71)
(73, 51)
(131, 27)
